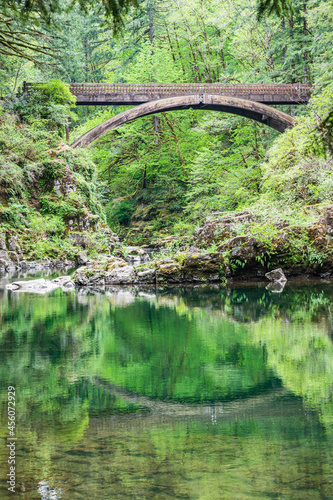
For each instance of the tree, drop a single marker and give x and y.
(19, 22)
(270, 7)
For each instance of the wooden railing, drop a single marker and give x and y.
(187, 88)
(138, 93)
(183, 88)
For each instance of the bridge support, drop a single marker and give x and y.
(243, 107)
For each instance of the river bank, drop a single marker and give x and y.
(230, 247)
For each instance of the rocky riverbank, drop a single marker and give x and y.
(225, 247)
(299, 250)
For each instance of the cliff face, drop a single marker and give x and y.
(49, 198)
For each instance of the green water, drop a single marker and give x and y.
(198, 393)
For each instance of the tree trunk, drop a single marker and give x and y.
(305, 54)
(292, 62)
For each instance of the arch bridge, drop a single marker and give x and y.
(252, 101)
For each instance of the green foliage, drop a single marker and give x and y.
(278, 7)
(46, 106)
(121, 214)
(31, 161)
(21, 23)
(293, 173)
(14, 214)
(53, 169)
(321, 140)
(67, 208)
(96, 243)
(57, 92)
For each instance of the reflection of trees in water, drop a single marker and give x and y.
(113, 382)
(301, 354)
(187, 346)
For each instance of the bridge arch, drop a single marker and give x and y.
(243, 107)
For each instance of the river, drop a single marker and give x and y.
(182, 393)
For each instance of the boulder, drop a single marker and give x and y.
(169, 272)
(2, 243)
(277, 276)
(11, 244)
(145, 276)
(4, 259)
(203, 267)
(81, 258)
(113, 240)
(246, 253)
(317, 235)
(237, 242)
(204, 262)
(13, 257)
(327, 220)
(218, 229)
(120, 275)
(135, 254)
(81, 277)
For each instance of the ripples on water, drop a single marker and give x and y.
(197, 393)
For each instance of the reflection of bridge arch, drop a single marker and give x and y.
(243, 107)
(153, 405)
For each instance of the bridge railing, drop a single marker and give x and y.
(186, 88)
(296, 90)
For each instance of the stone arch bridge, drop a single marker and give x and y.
(252, 101)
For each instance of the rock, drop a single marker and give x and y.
(13, 257)
(203, 267)
(81, 258)
(79, 239)
(170, 272)
(195, 250)
(163, 261)
(146, 276)
(11, 244)
(81, 277)
(204, 262)
(277, 276)
(135, 254)
(66, 184)
(317, 234)
(2, 244)
(219, 229)
(113, 240)
(4, 259)
(120, 275)
(115, 271)
(96, 279)
(327, 220)
(237, 242)
(246, 253)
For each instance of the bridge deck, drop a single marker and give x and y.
(139, 93)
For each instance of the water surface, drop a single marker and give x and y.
(195, 393)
